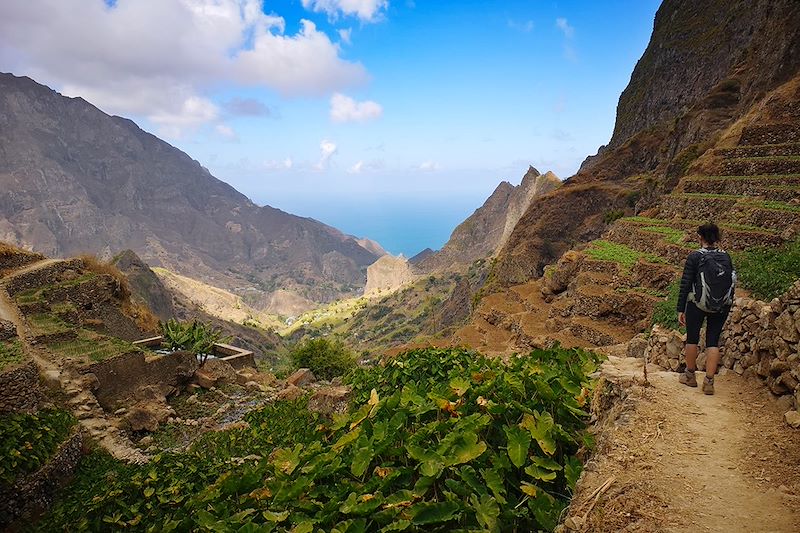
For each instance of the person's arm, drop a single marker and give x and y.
(689, 272)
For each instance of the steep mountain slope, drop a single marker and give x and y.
(706, 65)
(73, 179)
(745, 176)
(484, 232)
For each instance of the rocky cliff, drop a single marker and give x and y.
(484, 232)
(74, 179)
(388, 273)
(706, 65)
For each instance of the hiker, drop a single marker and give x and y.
(707, 288)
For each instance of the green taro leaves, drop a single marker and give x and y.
(435, 440)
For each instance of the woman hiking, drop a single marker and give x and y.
(707, 288)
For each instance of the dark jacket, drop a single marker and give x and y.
(689, 275)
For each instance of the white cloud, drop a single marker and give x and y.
(569, 33)
(429, 166)
(327, 150)
(365, 10)
(246, 107)
(273, 165)
(345, 35)
(226, 131)
(346, 109)
(159, 59)
(357, 168)
(566, 29)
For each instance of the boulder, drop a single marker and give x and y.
(248, 374)
(301, 378)
(153, 393)
(786, 328)
(330, 400)
(792, 418)
(290, 393)
(146, 416)
(214, 373)
(637, 346)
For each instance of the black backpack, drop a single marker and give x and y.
(715, 281)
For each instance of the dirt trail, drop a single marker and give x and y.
(679, 460)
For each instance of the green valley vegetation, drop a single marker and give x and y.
(436, 440)
(619, 253)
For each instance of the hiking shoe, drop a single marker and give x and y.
(708, 386)
(687, 378)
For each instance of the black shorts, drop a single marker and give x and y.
(714, 323)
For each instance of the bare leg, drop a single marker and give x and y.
(691, 357)
(712, 361)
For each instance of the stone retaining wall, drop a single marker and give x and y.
(14, 260)
(35, 493)
(41, 276)
(760, 339)
(118, 378)
(19, 389)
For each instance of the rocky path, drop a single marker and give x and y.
(674, 459)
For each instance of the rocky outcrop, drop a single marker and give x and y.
(388, 273)
(484, 232)
(145, 285)
(708, 64)
(74, 179)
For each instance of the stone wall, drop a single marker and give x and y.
(42, 276)
(120, 377)
(760, 339)
(19, 389)
(35, 493)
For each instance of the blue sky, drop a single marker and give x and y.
(438, 100)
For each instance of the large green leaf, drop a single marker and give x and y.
(540, 427)
(433, 512)
(361, 460)
(486, 511)
(518, 442)
(466, 448)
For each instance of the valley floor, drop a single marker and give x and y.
(674, 459)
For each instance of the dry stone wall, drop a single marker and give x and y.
(760, 339)
(19, 389)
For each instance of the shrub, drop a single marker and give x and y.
(613, 214)
(325, 357)
(768, 272)
(437, 440)
(196, 337)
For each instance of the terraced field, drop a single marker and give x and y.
(611, 289)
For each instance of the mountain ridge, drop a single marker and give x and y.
(75, 179)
